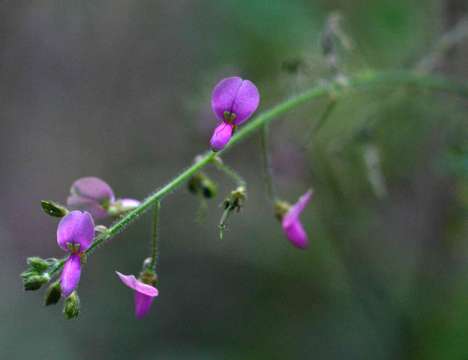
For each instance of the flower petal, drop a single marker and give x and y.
(76, 228)
(246, 102)
(296, 210)
(224, 94)
(296, 234)
(128, 204)
(70, 275)
(137, 285)
(76, 202)
(221, 136)
(142, 304)
(93, 188)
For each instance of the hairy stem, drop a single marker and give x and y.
(154, 235)
(366, 80)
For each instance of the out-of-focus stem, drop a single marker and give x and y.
(229, 172)
(266, 164)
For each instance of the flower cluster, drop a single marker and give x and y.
(234, 100)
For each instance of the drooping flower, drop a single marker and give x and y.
(233, 101)
(291, 223)
(96, 196)
(144, 293)
(75, 234)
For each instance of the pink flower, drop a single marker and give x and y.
(97, 197)
(291, 223)
(233, 101)
(75, 234)
(144, 293)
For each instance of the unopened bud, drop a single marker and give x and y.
(149, 277)
(281, 208)
(52, 208)
(37, 263)
(53, 294)
(34, 282)
(202, 184)
(235, 200)
(71, 308)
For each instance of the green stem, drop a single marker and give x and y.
(154, 235)
(229, 172)
(321, 121)
(360, 81)
(266, 162)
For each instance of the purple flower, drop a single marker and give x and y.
(291, 223)
(144, 293)
(233, 101)
(75, 234)
(96, 196)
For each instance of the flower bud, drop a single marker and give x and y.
(34, 282)
(202, 184)
(149, 277)
(38, 264)
(281, 208)
(54, 209)
(235, 200)
(53, 294)
(71, 308)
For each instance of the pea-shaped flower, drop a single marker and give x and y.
(144, 293)
(75, 234)
(290, 220)
(233, 101)
(96, 196)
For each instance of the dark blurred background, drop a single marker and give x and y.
(121, 90)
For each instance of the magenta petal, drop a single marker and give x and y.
(236, 96)
(142, 304)
(296, 234)
(70, 274)
(221, 136)
(76, 228)
(76, 202)
(93, 188)
(246, 102)
(137, 285)
(224, 94)
(298, 207)
(291, 224)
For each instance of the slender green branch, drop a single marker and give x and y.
(154, 235)
(314, 129)
(364, 80)
(229, 171)
(266, 163)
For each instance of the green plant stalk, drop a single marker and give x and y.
(230, 172)
(154, 235)
(365, 80)
(266, 164)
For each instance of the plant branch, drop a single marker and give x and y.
(360, 81)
